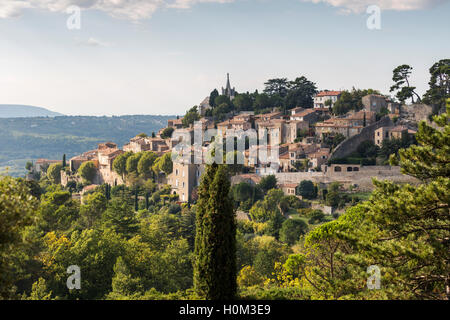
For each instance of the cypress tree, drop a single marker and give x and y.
(64, 161)
(136, 200)
(147, 195)
(215, 240)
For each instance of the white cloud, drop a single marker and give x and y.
(126, 9)
(92, 42)
(359, 6)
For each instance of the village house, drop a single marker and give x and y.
(374, 102)
(289, 189)
(140, 144)
(250, 178)
(299, 152)
(319, 157)
(184, 178)
(269, 116)
(103, 158)
(386, 133)
(324, 96)
(175, 123)
(309, 115)
(348, 126)
(42, 164)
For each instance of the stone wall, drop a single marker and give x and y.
(416, 112)
(350, 145)
(362, 178)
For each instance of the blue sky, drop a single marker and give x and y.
(149, 57)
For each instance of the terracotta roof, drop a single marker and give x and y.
(288, 185)
(398, 129)
(304, 113)
(328, 93)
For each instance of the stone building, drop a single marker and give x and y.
(228, 91)
(184, 178)
(385, 133)
(323, 96)
(374, 102)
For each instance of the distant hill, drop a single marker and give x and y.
(21, 111)
(23, 139)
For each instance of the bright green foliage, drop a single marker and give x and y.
(120, 163)
(430, 158)
(404, 230)
(145, 163)
(16, 209)
(87, 171)
(119, 216)
(92, 210)
(54, 172)
(163, 164)
(39, 290)
(132, 163)
(57, 211)
(249, 277)
(215, 241)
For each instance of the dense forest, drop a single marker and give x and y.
(24, 139)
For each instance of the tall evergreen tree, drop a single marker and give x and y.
(215, 241)
(64, 161)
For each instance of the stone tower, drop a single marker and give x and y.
(230, 93)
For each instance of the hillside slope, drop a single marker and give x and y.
(22, 111)
(24, 139)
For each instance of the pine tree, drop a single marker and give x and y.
(215, 241)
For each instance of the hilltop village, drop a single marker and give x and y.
(312, 143)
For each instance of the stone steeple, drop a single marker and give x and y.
(228, 91)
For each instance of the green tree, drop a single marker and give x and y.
(119, 216)
(132, 163)
(291, 230)
(87, 171)
(439, 84)
(268, 182)
(301, 93)
(54, 173)
(243, 102)
(190, 117)
(279, 86)
(167, 132)
(163, 164)
(29, 165)
(404, 90)
(215, 240)
(145, 163)
(120, 163)
(17, 208)
(307, 190)
(92, 210)
(212, 97)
